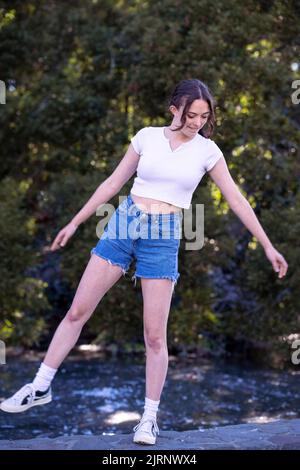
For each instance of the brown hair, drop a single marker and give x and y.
(185, 93)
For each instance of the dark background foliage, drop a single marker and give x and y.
(82, 77)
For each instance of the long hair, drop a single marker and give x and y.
(185, 93)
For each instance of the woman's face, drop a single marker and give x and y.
(196, 117)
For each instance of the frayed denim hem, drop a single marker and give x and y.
(172, 278)
(113, 263)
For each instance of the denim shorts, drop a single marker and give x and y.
(152, 240)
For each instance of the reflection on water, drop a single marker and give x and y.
(107, 396)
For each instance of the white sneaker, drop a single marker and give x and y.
(146, 431)
(25, 398)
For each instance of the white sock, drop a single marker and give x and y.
(44, 377)
(150, 408)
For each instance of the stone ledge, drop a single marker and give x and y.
(277, 435)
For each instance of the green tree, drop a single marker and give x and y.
(81, 81)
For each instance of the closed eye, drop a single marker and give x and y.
(204, 116)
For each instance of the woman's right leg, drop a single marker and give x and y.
(98, 277)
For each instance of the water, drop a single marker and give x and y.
(101, 396)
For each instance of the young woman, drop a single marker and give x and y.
(170, 162)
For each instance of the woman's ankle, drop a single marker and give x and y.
(150, 409)
(44, 377)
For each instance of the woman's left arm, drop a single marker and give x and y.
(241, 207)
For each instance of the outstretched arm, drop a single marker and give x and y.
(241, 207)
(108, 189)
(111, 186)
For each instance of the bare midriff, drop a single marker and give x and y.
(153, 206)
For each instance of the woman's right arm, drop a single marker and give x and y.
(108, 189)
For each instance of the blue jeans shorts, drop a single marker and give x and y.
(152, 240)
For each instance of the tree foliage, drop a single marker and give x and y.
(81, 78)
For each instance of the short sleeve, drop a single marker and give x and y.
(138, 140)
(213, 155)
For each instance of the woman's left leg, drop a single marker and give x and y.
(157, 296)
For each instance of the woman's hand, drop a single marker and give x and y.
(63, 236)
(278, 262)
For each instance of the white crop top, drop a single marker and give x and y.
(171, 175)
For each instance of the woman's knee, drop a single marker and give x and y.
(155, 341)
(77, 314)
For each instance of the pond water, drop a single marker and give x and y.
(103, 396)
